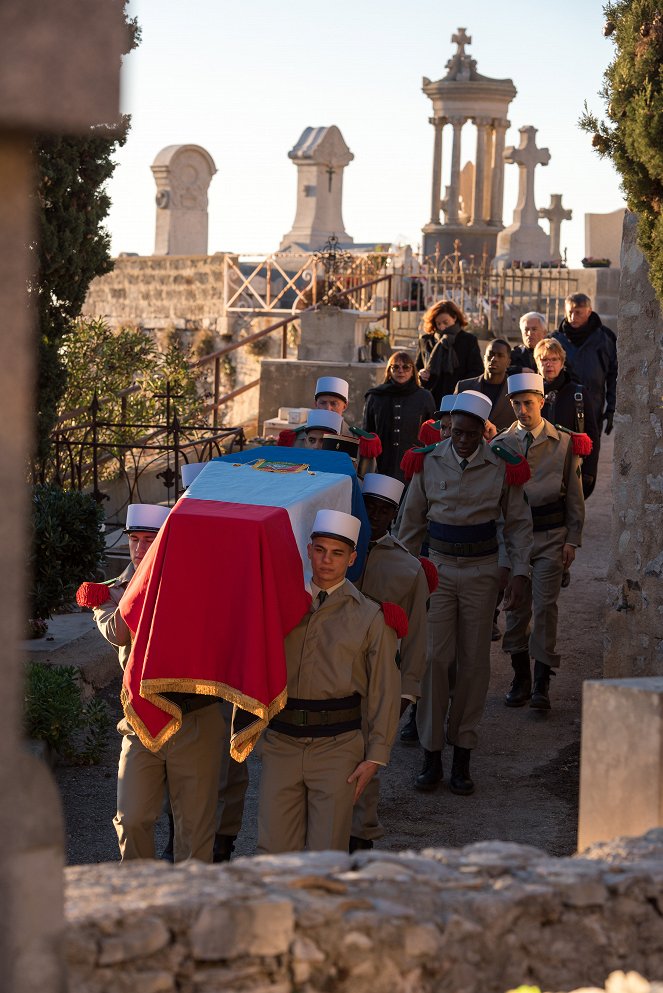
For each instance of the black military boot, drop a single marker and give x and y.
(168, 854)
(540, 699)
(224, 845)
(409, 733)
(459, 781)
(521, 687)
(359, 844)
(431, 772)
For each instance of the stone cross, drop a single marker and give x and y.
(555, 214)
(461, 38)
(527, 156)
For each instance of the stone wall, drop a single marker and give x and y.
(185, 294)
(634, 620)
(481, 919)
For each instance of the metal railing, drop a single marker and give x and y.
(95, 451)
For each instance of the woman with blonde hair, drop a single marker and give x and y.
(567, 403)
(447, 353)
(395, 410)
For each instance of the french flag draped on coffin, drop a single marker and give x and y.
(221, 587)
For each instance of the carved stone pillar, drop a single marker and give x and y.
(438, 123)
(454, 187)
(497, 191)
(479, 171)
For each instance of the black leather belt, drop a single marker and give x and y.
(464, 549)
(549, 515)
(319, 718)
(189, 702)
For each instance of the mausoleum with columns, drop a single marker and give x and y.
(461, 99)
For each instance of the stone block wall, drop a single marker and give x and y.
(634, 619)
(185, 294)
(482, 919)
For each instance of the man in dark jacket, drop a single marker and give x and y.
(591, 353)
(492, 383)
(533, 328)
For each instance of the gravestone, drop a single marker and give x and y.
(320, 155)
(554, 213)
(182, 174)
(524, 239)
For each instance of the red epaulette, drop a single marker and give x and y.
(93, 594)
(413, 460)
(395, 617)
(518, 471)
(582, 443)
(430, 572)
(370, 445)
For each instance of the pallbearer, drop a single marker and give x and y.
(391, 574)
(340, 657)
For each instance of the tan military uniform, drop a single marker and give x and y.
(392, 574)
(108, 619)
(341, 648)
(143, 775)
(461, 610)
(553, 492)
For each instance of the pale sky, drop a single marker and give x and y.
(243, 79)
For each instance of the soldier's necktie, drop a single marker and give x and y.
(322, 596)
(464, 464)
(529, 438)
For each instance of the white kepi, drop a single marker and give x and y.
(145, 517)
(474, 403)
(447, 403)
(323, 420)
(524, 382)
(333, 386)
(189, 471)
(336, 524)
(383, 487)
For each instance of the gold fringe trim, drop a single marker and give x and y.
(242, 743)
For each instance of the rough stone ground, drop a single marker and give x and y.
(526, 767)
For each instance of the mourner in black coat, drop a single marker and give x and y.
(568, 404)
(492, 383)
(455, 356)
(395, 410)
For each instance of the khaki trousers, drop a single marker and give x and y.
(305, 800)
(540, 604)
(460, 622)
(190, 761)
(233, 784)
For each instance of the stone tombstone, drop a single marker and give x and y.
(603, 235)
(320, 155)
(525, 239)
(634, 615)
(59, 74)
(183, 174)
(333, 335)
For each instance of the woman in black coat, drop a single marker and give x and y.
(456, 354)
(568, 404)
(395, 411)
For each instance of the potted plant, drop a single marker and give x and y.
(378, 338)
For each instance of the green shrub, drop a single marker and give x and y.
(67, 546)
(56, 714)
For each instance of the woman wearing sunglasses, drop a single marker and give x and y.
(395, 410)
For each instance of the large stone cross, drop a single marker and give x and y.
(555, 214)
(527, 156)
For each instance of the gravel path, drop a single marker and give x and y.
(526, 766)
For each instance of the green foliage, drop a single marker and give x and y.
(73, 244)
(67, 546)
(97, 360)
(55, 713)
(633, 134)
